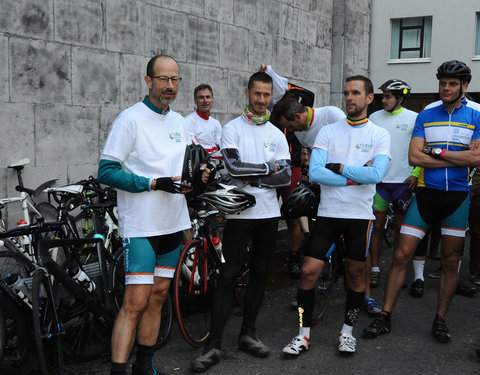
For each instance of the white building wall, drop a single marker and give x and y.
(453, 37)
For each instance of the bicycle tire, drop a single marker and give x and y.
(46, 327)
(17, 316)
(118, 287)
(192, 300)
(2, 333)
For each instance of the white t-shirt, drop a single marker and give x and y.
(468, 103)
(321, 116)
(206, 133)
(353, 146)
(256, 144)
(400, 127)
(151, 145)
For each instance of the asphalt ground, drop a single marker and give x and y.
(408, 349)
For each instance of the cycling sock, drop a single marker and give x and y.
(418, 266)
(306, 301)
(353, 304)
(305, 332)
(144, 358)
(118, 369)
(347, 329)
(375, 269)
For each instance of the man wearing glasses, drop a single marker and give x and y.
(142, 157)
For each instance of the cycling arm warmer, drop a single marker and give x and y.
(368, 175)
(110, 173)
(239, 169)
(278, 179)
(318, 172)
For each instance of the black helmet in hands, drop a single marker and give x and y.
(301, 201)
(195, 156)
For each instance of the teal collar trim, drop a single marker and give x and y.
(396, 112)
(153, 107)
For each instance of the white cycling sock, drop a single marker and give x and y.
(304, 331)
(418, 266)
(347, 329)
(376, 269)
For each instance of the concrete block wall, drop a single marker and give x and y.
(67, 68)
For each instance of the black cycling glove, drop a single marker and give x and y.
(334, 167)
(167, 184)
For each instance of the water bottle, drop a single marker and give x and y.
(17, 284)
(187, 267)
(217, 244)
(82, 278)
(25, 240)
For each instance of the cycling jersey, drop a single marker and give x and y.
(468, 103)
(149, 144)
(321, 116)
(205, 131)
(451, 132)
(400, 125)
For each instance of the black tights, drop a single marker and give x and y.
(237, 235)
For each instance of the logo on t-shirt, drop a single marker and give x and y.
(176, 136)
(403, 127)
(270, 146)
(363, 147)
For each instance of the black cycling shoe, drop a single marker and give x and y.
(207, 360)
(465, 290)
(416, 290)
(379, 326)
(440, 330)
(136, 370)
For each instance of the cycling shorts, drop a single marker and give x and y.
(398, 194)
(327, 231)
(430, 206)
(146, 257)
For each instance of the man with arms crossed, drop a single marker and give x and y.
(450, 133)
(257, 158)
(143, 157)
(349, 157)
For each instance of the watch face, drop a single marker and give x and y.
(437, 151)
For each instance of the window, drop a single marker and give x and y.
(477, 36)
(411, 38)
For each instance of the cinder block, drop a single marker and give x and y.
(128, 27)
(219, 10)
(322, 7)
(362, 6)
(168, 33)
(324, 32)
(39, 71)
(237, 82)
(232, 40)
(193, 7)
(95, 77)
(260, 49)
(322, 95)
(183, 101)
(291, 19)
(17, 124)
(283, 57)
(82, 25)
(66, 135)
(249, 14)
(107, 116)
(4, 89)
(273, 12)
(32, 18)
(321, 61)
(132, 79)
(218, 79)
(202, 41)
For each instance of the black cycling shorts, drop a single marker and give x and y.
(327, 231)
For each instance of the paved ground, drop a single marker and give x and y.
(409, 349)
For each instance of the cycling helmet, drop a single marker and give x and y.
(396, 85)
(195, 156)
(300, 202)
(227, 199)
(454, 69)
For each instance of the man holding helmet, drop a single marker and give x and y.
(445, 143)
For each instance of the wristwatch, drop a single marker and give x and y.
(437, 152)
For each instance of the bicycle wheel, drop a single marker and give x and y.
(17, 315)
(118, 288)
(46, 327)
(2, 333)
(193, 292)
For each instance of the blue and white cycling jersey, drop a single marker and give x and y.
(452, 132)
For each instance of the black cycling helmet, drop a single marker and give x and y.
(454, 69)
(195, 156)
(227, 199)
(397, 86)
(300, 202)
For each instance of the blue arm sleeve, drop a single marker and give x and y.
(110, 173)
(368, 175)
(318, 172)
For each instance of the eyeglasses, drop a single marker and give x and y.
(164, 79)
